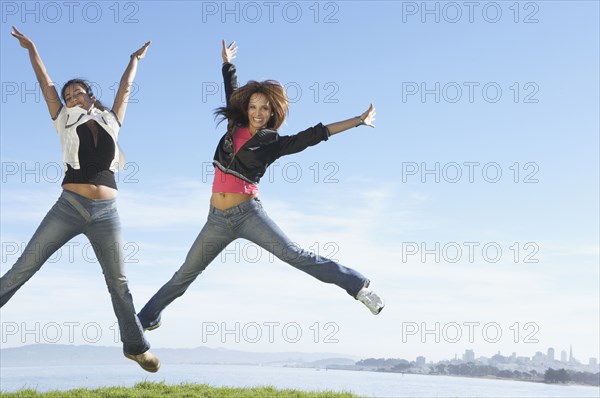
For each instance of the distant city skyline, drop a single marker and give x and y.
(471, 355)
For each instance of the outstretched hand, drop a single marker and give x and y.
(229, 52)
(141, 53)
(23, 40)
(369, 116)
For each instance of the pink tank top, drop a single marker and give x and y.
(224, 182)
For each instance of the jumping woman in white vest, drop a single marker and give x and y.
(254, 113)
(88, 133)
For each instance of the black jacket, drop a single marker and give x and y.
(250, 162)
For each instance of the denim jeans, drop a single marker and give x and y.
(249, 221)
(99, 221)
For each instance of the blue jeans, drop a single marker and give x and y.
(248, 220)
(70, 216)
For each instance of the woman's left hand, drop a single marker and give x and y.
(369, 116)
(141, 53)
(229, 52)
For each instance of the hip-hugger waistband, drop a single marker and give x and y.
(245, 206)
(85, 205)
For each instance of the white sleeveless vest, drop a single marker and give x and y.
(66, 123)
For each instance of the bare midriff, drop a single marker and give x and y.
(225, 200)
(91, 191)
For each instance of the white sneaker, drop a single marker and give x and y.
(373, 302)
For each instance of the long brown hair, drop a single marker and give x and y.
(237, 111)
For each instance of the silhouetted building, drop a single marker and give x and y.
(538, 358)
(571, 359)
(550, 354)
(469, 356)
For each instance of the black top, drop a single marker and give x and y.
(96, 152)
(250, 162)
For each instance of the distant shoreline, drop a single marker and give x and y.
(488, 377)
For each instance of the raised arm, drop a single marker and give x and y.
(122, 97)
(367, 119)
(46, 84)
(228, 53)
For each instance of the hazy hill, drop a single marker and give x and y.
(60, 354)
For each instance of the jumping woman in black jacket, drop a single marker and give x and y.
(254, 113)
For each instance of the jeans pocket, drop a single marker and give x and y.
(256, 205)
(104, 212)
(65, 210)
(108, 212)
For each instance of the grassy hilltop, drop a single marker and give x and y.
(160, 390)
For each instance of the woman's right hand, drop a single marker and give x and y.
(229, 52)
(48, 88)
(23, 40)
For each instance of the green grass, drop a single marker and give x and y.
(160, 390)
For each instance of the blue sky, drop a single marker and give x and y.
(485, 155)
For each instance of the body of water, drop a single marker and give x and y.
(368, 384)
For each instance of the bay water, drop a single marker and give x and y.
(363, 383)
